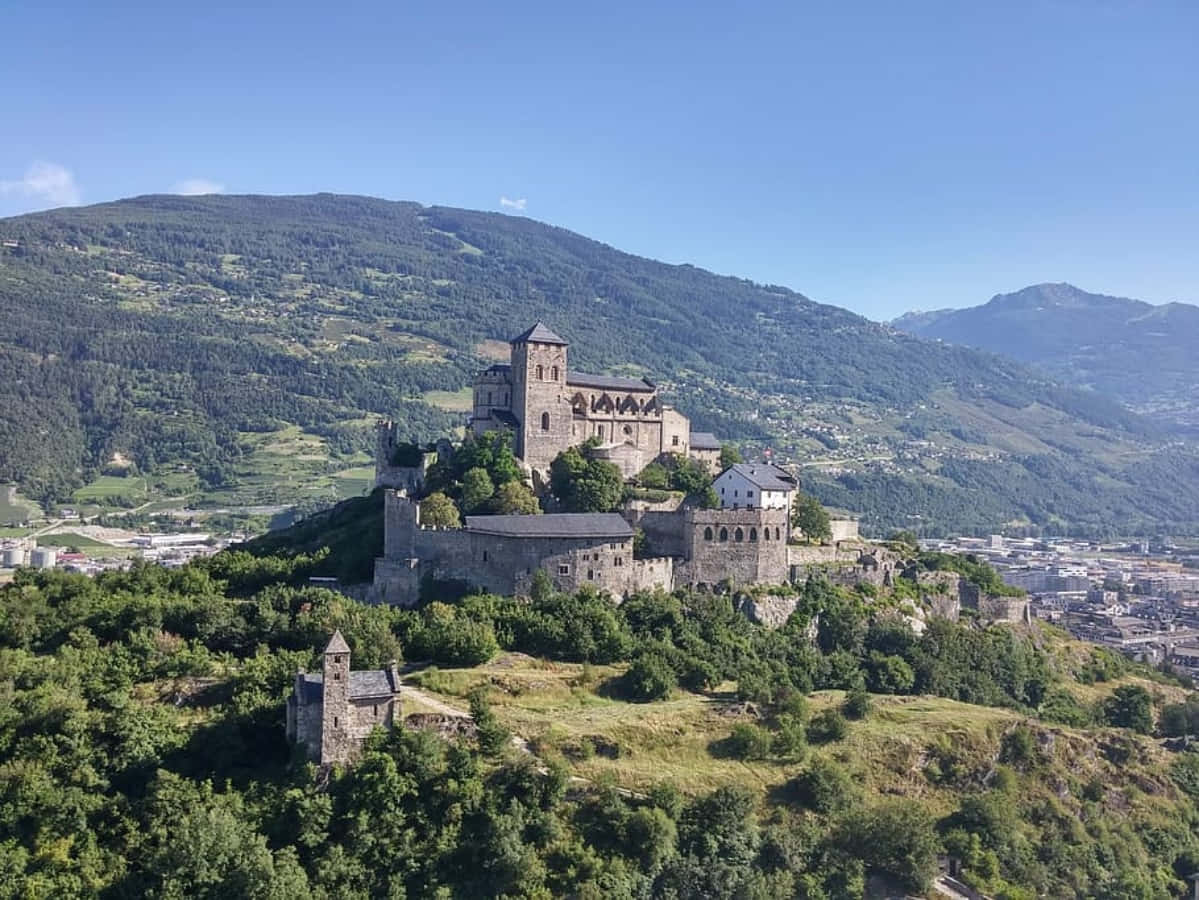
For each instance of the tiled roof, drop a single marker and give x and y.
(609, 382)
(538, 334)
(764, 476)
(553, 525)
(704, 440)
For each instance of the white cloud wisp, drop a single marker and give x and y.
(46, 185)
(518, 205)
(195, 187)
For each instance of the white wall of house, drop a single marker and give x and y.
(737, 492)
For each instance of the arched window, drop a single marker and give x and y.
(753, 534)
(765, 534)
(724, 534)
(540, 373)
(776, 534)
(738, 535)
(545, 421)
(708, 533)
(599, 431)
(554, 373)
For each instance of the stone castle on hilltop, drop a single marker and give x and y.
(548, 408)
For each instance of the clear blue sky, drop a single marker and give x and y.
(881, 156)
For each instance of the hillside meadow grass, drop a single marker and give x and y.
(923, 747)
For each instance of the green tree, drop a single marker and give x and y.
(896, 837)
(729, 456)
(598, 488)
(515, 498)
(439, 510)
(827, 725)
(824, 786)
(492, 736)
(654, 476)
(1130, 706)
(748, 741)
(811, 518)
(648, 678)
(477, 490)
(857, 704)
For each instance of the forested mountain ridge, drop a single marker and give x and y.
(1138, 353)
(172, 330)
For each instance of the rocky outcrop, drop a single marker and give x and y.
(768, 610)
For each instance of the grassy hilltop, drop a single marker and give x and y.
(231, 352)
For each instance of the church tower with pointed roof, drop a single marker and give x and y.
(333, 713)
(539, 400)
(336, 700)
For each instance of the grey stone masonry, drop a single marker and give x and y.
(333, 713)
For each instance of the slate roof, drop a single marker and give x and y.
(764, 476)
(608, 526)
(609, 382)
(704, 440)
(538, 334)
(500, 369)
(363, 685)
(504, 417)
(337, 644)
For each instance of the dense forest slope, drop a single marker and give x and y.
(174, 332)
(1141, 354)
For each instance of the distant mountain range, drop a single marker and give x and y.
(238, 348)
(1143, 355)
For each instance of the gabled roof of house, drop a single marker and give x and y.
(538, 334)
(704, 440)
(763, 476)
(609, 382)
(607, 526)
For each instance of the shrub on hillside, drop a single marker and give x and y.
(649, 678)
(827, 725)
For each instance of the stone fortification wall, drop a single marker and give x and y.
(664, 531)
(397, 582)
(747, 546)
(610, 571)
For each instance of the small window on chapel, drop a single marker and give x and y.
(337, 676)
(554, 373)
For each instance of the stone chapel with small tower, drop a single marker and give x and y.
(333, 713)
